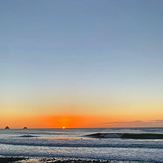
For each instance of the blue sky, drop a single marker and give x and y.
(52, 50)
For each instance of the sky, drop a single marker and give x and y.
(89, 63)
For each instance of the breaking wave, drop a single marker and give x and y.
(127, 135)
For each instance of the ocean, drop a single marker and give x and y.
(120, 144)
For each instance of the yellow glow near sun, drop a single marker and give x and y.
(63, 127)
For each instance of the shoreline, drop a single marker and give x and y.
(59, 160)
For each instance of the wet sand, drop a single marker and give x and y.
(49, 160)
(57, 160)
(10, 159)
(61, 160)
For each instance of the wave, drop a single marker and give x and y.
(126, 135)
(28, 136)
(82, 143)
(105, 135)
(142, 136)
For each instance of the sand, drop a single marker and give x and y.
(49, 160)
(10, 159)
(57, 160)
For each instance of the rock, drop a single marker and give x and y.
(25, 128)
(7, 127)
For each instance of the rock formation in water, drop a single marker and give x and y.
(7, 127)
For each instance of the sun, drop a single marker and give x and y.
(63, 127)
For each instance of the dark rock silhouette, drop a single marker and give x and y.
(25, 128)
(27, 136)
(7, 127)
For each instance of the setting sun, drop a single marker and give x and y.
(63, 127)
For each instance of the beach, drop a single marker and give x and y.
(57, 160)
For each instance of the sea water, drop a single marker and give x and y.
(77, 143)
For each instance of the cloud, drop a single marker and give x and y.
(159, 121)
(138, 123)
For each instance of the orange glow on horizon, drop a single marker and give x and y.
(54, 121)
(75, 121)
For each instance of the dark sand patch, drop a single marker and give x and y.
(11, 159)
